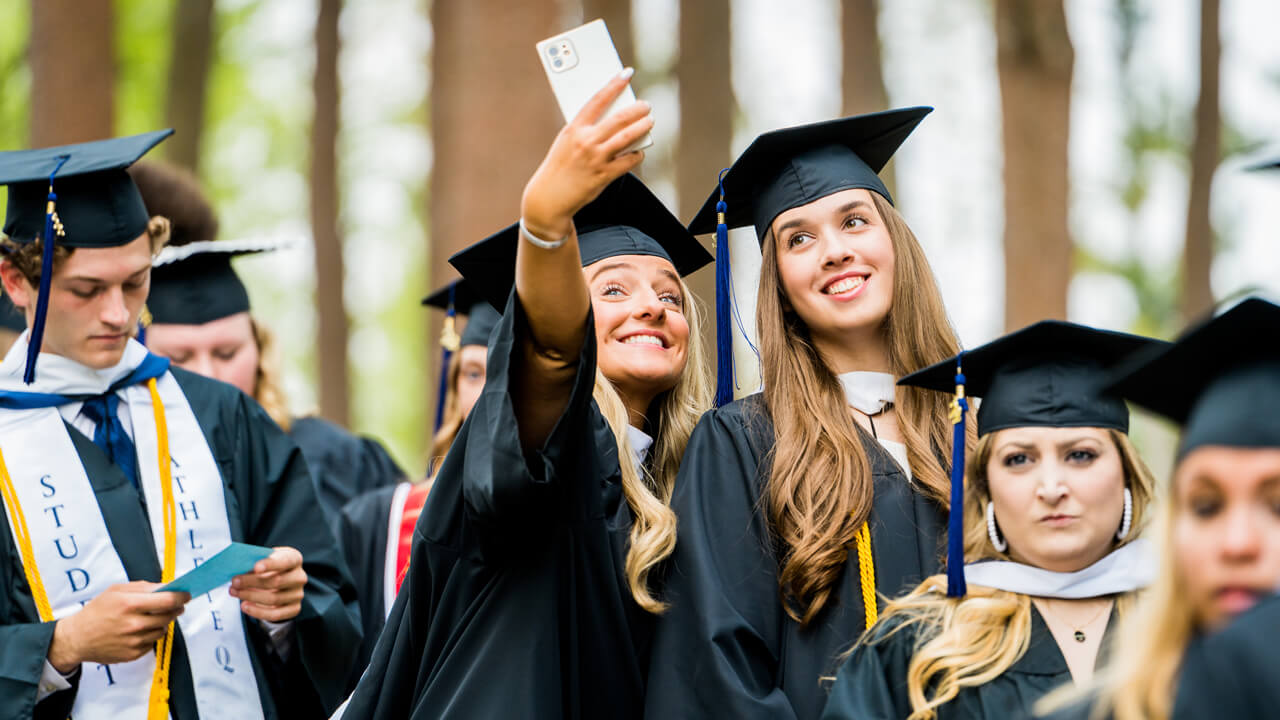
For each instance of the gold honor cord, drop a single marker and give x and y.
(866, 574)
(19, 521)
(158, 707)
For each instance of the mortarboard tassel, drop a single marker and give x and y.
(144, 322)
(449, 343)
(52, 229)
(724, 299)
(955, 524)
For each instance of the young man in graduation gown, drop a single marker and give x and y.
(118, 471)
(202, 322)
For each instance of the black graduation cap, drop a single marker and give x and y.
(626, 219)
(481, 317)
(77, 196)
(787, 168)
(459, 298)
(1220, 380)
(194, 284)
(1049, 374)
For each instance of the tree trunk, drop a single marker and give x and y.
(188, 80)
(706, 128)
(1197, 293)
(862, 81)
(617, 16)
(331, 311)
(493, 117)
(1034, 59)
(72, 71)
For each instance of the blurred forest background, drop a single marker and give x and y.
(1087, 158)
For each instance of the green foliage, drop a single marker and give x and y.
(15, 78)
(142, 46)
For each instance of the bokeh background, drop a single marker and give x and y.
(1087, 159)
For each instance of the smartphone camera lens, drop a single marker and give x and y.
(553, 51)
(557, 62)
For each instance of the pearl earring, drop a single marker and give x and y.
(996, 540)
(1127, 522)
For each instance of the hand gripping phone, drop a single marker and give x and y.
(579, 63)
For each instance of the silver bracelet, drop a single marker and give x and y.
(545, 245)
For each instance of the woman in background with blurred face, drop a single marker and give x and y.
(375, 529)
(201, 320)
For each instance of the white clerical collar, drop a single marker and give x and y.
(640, 444)
(1128, 568)
(868, 392)
(62, 375)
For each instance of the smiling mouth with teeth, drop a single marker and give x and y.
(644, 340)
(845, 285)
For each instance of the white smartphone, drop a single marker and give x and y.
(579, 63)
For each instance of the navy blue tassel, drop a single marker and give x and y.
(724, 301)
(46, 276)
(448, 343)
(956, 586)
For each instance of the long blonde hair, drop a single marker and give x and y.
(820, 487)
(267, 387)
(648, 492)
(1142, 674)
(970, 641)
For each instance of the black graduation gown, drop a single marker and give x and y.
(726, 647)
(872, 683)
(361, 528)
(1232, 673)
(343, 464)
(515, 604)
(270, 501)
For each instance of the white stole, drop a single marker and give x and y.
(72, 548)
(1125, 569)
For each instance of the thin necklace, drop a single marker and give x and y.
(871, 418)
(1079, 631)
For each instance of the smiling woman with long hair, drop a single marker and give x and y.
(530, 588)
(797, 505)
(1055, 497)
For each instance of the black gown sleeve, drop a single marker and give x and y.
(1232, 674)
(872, 682)
(716, 651)
(508, 491)
(278, 507)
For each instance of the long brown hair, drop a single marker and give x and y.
(970, 641)
(820, 487)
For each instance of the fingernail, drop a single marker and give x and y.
(627, 73)
(645, 104)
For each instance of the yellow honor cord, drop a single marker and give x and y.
(19, 521)
(866, 574)
(158, 707)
